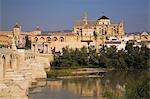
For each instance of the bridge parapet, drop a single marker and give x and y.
(8, 61)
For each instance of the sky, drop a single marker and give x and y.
(0, 15)
(53, 15)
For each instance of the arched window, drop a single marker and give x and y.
(11, 61)
(36, 39)
(62, 39)
(42, 38)
(48, 39)
(103, 31)
(55, 39)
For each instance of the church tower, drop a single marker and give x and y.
(121, 28)
(37, 30)
(85, 18)
(16, 32)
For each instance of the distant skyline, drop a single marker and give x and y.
(54, 15)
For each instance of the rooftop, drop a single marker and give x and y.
(103, 17)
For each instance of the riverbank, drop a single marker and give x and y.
(79, 72)
(117, 84)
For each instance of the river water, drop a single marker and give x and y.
(112, 85)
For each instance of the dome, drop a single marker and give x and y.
(103, 17)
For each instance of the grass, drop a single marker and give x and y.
(59, 73)
(63, 72)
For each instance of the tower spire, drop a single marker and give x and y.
(85, 18)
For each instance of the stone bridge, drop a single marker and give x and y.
(19, 69)
(9, 60)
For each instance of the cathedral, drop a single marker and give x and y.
(101, 26)
(85, 33)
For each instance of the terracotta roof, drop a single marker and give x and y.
(103, 17)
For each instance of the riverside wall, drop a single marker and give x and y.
(19, 71)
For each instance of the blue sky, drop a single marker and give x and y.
(53, 15)
(0, 15)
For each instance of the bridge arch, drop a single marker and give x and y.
(11, 61)
(3, 66)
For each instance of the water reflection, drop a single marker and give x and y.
(126, 84)
(90, 87)
(114, 85)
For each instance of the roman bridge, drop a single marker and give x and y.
(12, 61)
(19, 69)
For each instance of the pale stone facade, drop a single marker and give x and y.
(101, 26)
(19, 69)
(5, 41)
(85, 33)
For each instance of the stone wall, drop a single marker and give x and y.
(18, 71)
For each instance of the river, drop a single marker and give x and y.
(112, 85)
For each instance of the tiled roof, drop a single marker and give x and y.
(103, 17)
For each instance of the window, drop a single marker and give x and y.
(55, 39)
(61, 39)
(48, 39)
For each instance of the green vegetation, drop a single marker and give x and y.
(126, 84)
(3, 46)
(28, 42)
(59, 73)
(64, 72)
(133, 84)
(138, 87)
(130, 58)
(70, 57)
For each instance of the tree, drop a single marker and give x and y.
(95, 35)
(108, 57)
(28, 42)
(93, 56)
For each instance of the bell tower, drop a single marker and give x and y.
(121, 28)
(85, 18)
(37, 30)
(16, 32)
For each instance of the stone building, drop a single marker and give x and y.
(20, 70)
(101, 26)
(85, 33)
(5, 41)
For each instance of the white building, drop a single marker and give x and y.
(113, 41)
